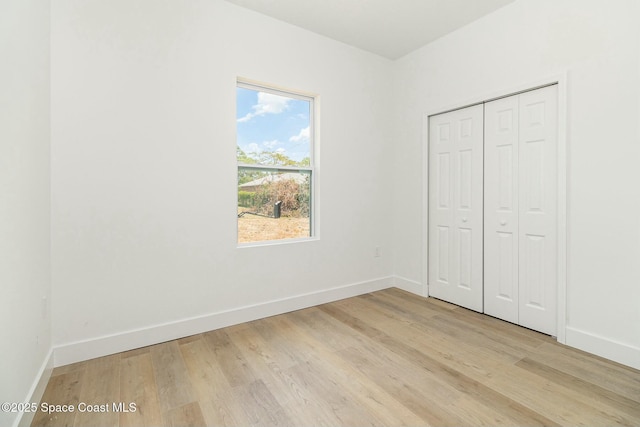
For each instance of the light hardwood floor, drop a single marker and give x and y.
(387, 358)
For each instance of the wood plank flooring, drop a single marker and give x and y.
(387, 358)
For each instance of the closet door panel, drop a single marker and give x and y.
(455, 207)
(441, 144)
(469, 206)
(538, 209)
(501, 296)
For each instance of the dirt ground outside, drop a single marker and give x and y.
(252, 228)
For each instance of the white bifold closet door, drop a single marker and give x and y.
(455, 206)
(520, 209)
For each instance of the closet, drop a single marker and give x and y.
(493, 208)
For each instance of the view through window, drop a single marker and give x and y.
(275, 164)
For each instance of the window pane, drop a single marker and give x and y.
(273, 204)
(272, 130)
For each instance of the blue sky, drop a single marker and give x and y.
(268, 122)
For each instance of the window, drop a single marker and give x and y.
(275, 164)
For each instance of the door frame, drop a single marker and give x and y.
(563, 166)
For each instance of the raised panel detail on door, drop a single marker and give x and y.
(443, 174)
(466, 257)
(506, 157)
(455, 205)
(538, 209)
(506, 268)
(443, 255)
(533, 272)
(465, 182)
(501, 149)
(532, 167)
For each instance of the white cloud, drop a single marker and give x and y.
(252, 148)
(268, 103)
(281, 151)
(303, 136)
(270, 144)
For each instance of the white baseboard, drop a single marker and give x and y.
(128, 340)
(591, 343)
(105, 345)
(409, 286)
(604, 347)
(36, 391)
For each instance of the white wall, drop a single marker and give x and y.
(143, 168)
(143, 135)
(597, 44)
(25, 336)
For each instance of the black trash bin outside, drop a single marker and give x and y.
(276, 209)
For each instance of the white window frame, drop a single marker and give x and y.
(311, 169)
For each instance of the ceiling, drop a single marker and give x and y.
(390, 28)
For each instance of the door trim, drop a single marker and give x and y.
(563, 272)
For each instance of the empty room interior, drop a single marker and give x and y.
(319, 212)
